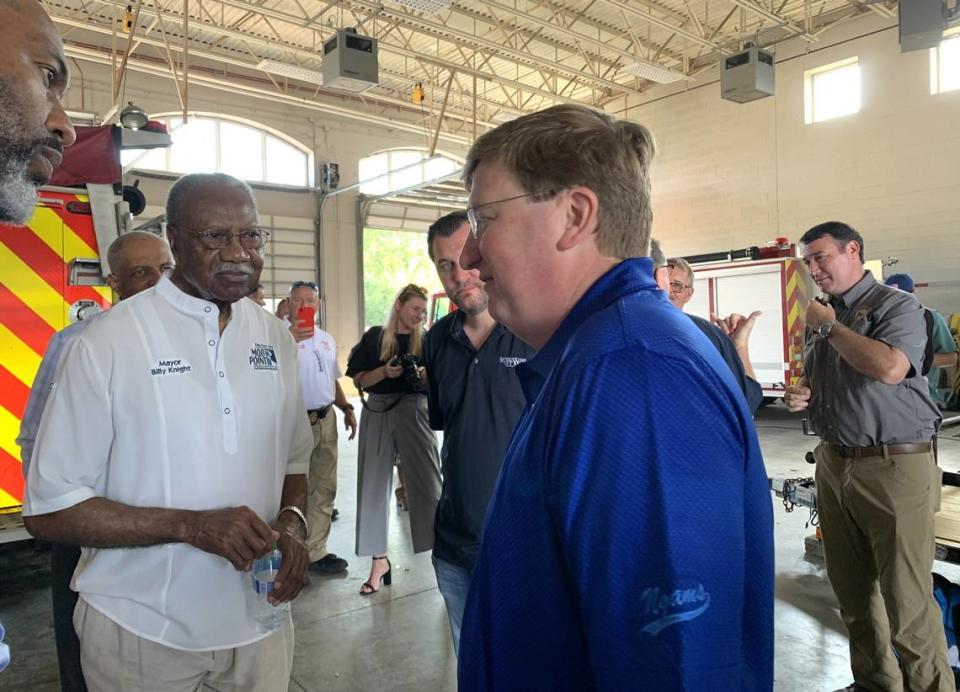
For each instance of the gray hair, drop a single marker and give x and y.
(115, 251)
(656, 254)
(680, 263)
(195, 181)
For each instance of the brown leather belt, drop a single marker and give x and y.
(881, 450)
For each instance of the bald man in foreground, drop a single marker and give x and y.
(34, 128)
(137, 261)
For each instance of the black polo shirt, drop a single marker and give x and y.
(365, 356)
(475, 399)
(752, 391)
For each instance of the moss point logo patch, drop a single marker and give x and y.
(263, 357)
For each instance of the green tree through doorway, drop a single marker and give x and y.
(392, 259)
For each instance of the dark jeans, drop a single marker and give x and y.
(63, 561)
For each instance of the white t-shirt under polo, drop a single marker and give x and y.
(153, 407)
(319, 369)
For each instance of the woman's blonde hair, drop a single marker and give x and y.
(388, 337)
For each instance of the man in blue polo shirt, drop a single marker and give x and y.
(629, 541)
(475, 399)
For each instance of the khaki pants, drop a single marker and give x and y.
(115, 659)
(876, 515)
(321, 484)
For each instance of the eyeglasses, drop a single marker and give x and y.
(677, 287)
(216, 239)
(304, 284)
(478, 226)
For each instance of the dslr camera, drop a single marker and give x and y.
(408, 362)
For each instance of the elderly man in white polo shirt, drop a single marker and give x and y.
(173, 448)
(319, 370)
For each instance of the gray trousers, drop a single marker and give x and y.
(404, 430)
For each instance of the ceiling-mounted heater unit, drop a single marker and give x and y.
(922, 23)
(747, 76)
(350, 62)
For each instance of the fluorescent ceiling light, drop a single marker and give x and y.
(652, 72)
(505, 115)
(429, 6)
(286, 69)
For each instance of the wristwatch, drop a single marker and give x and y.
(347, 407)
(825, 328)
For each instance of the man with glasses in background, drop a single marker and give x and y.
(319, 373)
(729, 335)
(174, 450)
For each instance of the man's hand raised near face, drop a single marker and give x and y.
(737, 327)
(300, 333)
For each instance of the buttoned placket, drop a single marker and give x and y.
(228, 416)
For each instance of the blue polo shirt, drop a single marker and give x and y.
(629, 541)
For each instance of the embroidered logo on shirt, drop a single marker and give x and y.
(171, 367)
(511, 361)
(262, 357)
(669, 608)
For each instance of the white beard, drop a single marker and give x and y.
(18, 194)
(18, 191)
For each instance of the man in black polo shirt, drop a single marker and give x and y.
(475, 399)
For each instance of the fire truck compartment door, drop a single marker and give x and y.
(757, 288)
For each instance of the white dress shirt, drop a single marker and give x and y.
(153, 407)
(319, 370)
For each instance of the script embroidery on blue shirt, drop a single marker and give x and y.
(669, 608)
(173, 366)
(262, 357)
(511, 361)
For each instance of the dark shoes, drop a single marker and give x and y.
(368, 589)
(329, 564)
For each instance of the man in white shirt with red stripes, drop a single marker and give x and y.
(319, 371)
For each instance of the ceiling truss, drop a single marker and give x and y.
(480, 61)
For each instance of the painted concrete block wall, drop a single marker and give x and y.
(730, 175)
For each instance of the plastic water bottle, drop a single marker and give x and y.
(268, 617)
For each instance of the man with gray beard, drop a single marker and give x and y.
(475, 399)
(34, 128)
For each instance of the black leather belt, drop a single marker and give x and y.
(318, 413)
(881, 450)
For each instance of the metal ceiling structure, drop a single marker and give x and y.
(479, 62)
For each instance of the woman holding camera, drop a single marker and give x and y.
(387, 365)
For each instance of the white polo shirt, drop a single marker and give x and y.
(319, 370)
(153, 407)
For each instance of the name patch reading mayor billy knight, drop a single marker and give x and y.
(174, 366)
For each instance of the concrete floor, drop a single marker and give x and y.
(399, 639)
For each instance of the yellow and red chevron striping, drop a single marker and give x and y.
(35, 299)
(11, 480)
(23, 321)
